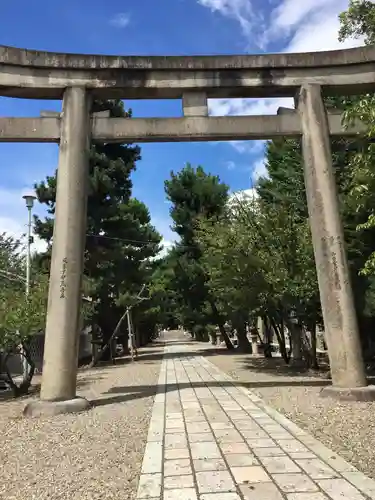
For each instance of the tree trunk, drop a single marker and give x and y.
(23, 388)
(314, 358)
(244, 344)
(296, 341)
(281, 340)
(267, 339)
(105, 352)
(220, 324)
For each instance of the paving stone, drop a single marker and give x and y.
(301, 455)
(294, 483)
(201, 438)
(316, 469)
(332, 459)
(177, 440)
(222, 425)
(254, 434)
(260, 491)
(307, 496)
(261, 415)
(149, 486)
(155, 436)
(214, 481)
(174, 416)
(270, 452)
(230, 405)
(220, 496)
(340, 489)
(241, 460)
(176, 453)
(219, 417)
(227, 436)
(211, 408)
(175, 424)
(196, 418)
(153, 458)
(279, 435)
(176, 482)
(202, 465)
(260, 443)
(237, 415)
(248, 424)
(205, 450)
(250, 474)
(191, 405)
(192, 416)
(159, 398)
(275, 465)
(176, 467)
(274, 427)
(180, 494)
(229, 448)
(292, 446)
(362, 482)
(197, 427)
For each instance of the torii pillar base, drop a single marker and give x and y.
(366, 393)
(47, 409)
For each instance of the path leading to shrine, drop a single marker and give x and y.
(209, 438)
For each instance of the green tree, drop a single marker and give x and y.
(194, 195)
(234, 273)
(358, 21)
(20, 316)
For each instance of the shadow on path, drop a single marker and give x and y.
(128, 393)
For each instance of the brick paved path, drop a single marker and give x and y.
(210, 439)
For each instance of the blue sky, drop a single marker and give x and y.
(157, 27)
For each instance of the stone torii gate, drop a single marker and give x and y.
(77, 79)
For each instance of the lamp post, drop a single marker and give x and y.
(29, 199)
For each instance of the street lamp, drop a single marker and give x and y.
(29, 199)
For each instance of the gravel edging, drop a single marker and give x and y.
(89, 456)
(348, 429)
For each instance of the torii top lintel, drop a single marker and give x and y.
(45, 75)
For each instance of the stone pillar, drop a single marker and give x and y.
(194, 104)
(344, 348)
(58, 391)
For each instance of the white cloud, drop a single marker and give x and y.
(14, 216)
(230, 165)
(167, 246)
(242, 196)
(259, 169)
(247, 107)
(320, 35)
(298, 26)
(291, 13)
(241, 11)
(120, 20)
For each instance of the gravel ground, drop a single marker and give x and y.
(348, 429)
(88, 456)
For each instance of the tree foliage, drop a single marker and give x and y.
(194, 195)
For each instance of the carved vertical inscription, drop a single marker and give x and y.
(63, 278)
